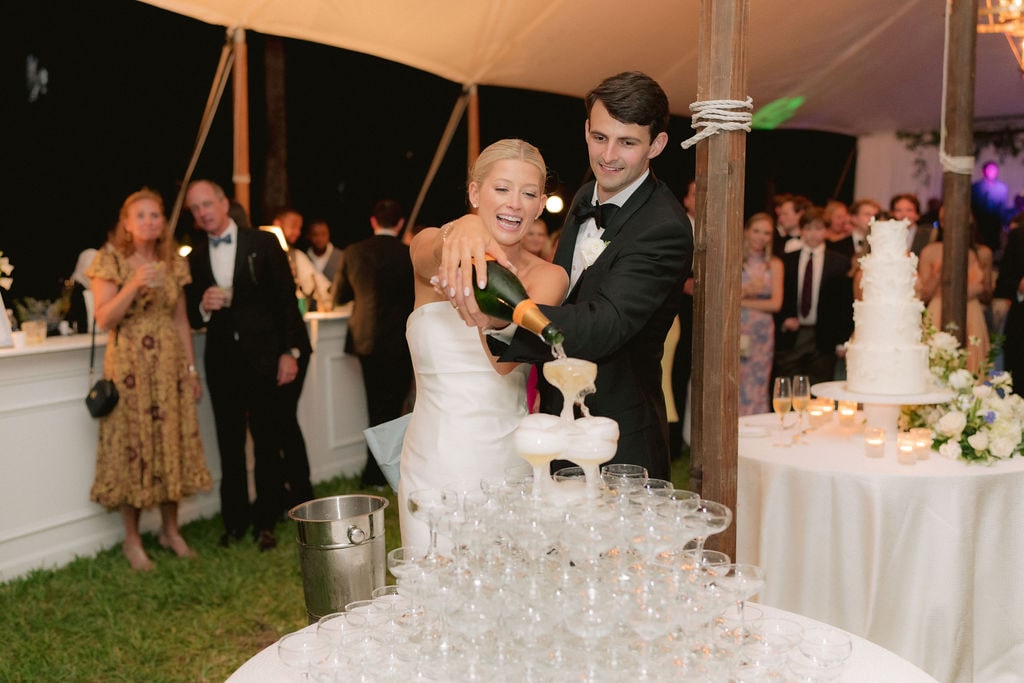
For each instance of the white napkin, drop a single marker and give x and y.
(385, 442)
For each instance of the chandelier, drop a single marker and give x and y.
(1006, 17)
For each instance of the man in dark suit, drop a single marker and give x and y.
(376, 275)
(623, 295)
(908, 207)
(242, 292)
(1010, 285)
(817, 306)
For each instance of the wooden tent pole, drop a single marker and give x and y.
(721, 160)
(240, 78)
(442, 148)
(473, 125)
(958, 116)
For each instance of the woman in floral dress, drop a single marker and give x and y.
(760, 297)
(149, 452)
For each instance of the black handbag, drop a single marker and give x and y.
(103, 395)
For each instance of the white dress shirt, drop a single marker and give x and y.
(222, 257)
(590, 229)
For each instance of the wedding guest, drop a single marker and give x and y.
(79, 314)
(907, 207)
(760, 299)
(376, 276)
(980, 287)
(256, 344)
(989, 203)
(862, 212)
(788, 211)
(150, 452)
(682, 355)
(837, 221)
(1010, 286)
(536, 240)
(312, 289)
(326, 258)
(623, 299)
(816, 318)
(468, 403)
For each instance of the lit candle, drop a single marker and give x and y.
(815, 412)
(906, 449)
(922, 442)
(874, 442)
(847, 413)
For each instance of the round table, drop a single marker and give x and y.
(868, 662)
(922, 559)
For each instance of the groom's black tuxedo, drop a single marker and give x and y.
(618, 314)
(243, 346)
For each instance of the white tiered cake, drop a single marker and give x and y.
(886, 355)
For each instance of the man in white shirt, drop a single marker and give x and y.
(311, 285)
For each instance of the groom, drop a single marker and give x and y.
(627, 261)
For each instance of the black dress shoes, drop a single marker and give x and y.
(229, 537)
(265, 540)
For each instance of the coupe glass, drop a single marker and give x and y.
(821, 655)
(299, 650)
(782, 401)
(707, 518)
(430, 506)
(539, 442)
(742, 582)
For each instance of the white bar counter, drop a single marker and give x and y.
(48, 443)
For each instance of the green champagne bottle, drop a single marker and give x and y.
(505, 298)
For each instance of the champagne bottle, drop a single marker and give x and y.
(505, 298)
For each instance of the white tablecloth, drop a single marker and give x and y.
(925, 560)
(868, 663)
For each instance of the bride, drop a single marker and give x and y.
(467, 403)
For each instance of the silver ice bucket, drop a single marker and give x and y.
(341, 550)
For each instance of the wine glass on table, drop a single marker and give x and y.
(801, 399)
(782, 401)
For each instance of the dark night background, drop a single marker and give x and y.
(128, 83)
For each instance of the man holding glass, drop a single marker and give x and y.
(242, 292)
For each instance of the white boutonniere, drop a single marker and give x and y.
(591, 248)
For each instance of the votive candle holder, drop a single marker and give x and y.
(906, 449)
(922, 442)
(847, 413)
(874, 442)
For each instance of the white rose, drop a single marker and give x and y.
(952, 424)
(981, 391)
(1000, 379)
(961, 379)
(591, 248)
(945, 341)
(1003, 447)
(978, 441)
(950, 449)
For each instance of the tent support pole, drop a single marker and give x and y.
(240, 83)
(721, 161)
(442, 148)
(958, 116)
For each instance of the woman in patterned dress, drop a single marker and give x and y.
(760, 298)
(149, 451)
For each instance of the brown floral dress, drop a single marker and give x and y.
(150, 450)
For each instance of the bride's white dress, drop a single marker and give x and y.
(464, 415)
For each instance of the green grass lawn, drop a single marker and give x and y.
(189, 620)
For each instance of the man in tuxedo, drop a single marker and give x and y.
(326, 258)
(1010, 285)
(908, 207)
(788, 211)
(242, 292)
(622, 302)
(376, 275)
(854, 245)
(817, 306)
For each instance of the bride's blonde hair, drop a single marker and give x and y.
(509, 148)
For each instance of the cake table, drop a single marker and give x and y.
(881, 410)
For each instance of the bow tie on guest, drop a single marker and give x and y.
(602, 213)
(214, 241)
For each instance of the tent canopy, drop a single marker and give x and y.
(861, 65)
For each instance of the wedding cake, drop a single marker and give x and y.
(885, 355)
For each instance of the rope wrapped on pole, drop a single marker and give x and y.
(714, 116)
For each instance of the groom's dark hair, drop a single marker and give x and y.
(632, 97)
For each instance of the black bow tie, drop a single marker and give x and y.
(602, 213)
(214, 241)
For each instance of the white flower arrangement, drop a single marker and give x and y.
(5, 272)
(984, 421)
(591, 248)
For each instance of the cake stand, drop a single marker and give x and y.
(881, 410)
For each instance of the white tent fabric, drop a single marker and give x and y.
(862, 65)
